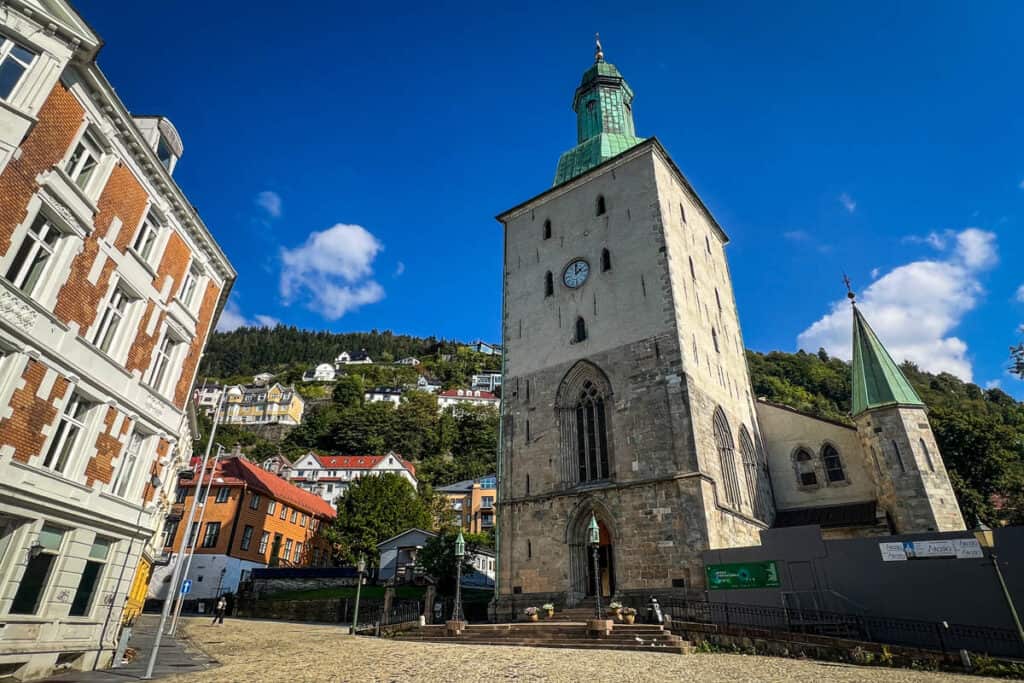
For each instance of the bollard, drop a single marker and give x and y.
(654, 615)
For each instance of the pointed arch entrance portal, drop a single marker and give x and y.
(581, 558)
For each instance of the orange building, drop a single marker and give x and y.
(252, 519)
(472, 501)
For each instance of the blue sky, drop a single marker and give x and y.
(350, 157)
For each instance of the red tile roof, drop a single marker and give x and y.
(358, 462)
(238, 471)
(467, 394)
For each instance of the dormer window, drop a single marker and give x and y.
(164, 153)
(84, 160)
(14, 62)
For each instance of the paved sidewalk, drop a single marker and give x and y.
(176, 657)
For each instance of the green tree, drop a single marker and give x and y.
(366, 429)
(348, 391)
(373, 510)
(415, 425)
(438, 559)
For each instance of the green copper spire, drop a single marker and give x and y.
(604, 119)
(877, 380)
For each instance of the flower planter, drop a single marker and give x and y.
(534, 617)
(630, 618)
(551, 614)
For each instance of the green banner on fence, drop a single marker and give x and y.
(743, 575)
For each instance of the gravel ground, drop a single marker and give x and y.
(265, 651)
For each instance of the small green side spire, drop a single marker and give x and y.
(877, 380)
(604, 119)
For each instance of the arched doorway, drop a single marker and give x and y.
(581, 557)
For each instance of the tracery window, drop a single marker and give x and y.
(750, 467)
(591, 434)
(583, 403)
(726, 458)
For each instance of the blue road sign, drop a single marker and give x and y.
(186, 586)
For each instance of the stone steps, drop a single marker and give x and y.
(635, 637)
(681, 647)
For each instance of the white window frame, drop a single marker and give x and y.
(163, 368)
(189, 285)
(7, 54)
(146, 241)
(90, 143)
(122, 485)
(46, 228)
(114, 319)
(58, 441)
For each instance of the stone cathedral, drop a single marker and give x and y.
(627, 395)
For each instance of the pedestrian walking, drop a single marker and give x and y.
(219, 610)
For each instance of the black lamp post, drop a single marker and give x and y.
(360, 567)
(595, 543)
(986, 539)
(460, 552)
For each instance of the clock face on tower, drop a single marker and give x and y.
(576, 273)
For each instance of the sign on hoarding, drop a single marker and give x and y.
(743, 575)
(959, 548)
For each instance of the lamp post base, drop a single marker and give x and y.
(454, 627)
(599, 628)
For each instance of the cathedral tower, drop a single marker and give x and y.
(626, 394)
(893, 426)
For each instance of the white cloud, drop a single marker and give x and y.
(937, 240)
(332, 271)
(270, 202)
(915, 307)
(1020, 294)
(399, 269)
(874, 273)
(993, 384)
(232, 318)
(848, 202)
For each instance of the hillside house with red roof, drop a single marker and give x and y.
(251, 518)
(329, 476)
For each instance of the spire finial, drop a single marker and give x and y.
(598, 54)
(850, 294)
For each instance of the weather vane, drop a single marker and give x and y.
(598, 54)
(850, 294)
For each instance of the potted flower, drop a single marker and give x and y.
(615, 608)
(629, 614)
(532, 613)
(549, 608)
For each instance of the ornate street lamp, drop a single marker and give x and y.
(360, 567)
(595, 543)
(987, 540)
(460, 552)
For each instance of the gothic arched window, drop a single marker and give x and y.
(804, 462)
(549, 284)
(606, 260)
(547, 229)
(927, 456)
(833, 464)
(600, 205)
(726, 458)
(899, 456)
(585, 442)
(749, 457)
(581, 329)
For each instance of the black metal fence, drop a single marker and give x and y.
(940, 636)
(338, 610)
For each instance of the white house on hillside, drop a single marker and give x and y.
(461, 397)
(263, 378)
(329, 476)
(411, 360)
(356, 358)
(321, 373)
(488, 381)
(428, 384)
(383, 394)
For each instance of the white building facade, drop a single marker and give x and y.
(460, 397)
(109, 285)
(329, 476)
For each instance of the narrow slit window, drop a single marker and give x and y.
(549, 284)
(606, 260)
(927, 456)
(581, 329)
(547, 230)
(601, 208)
